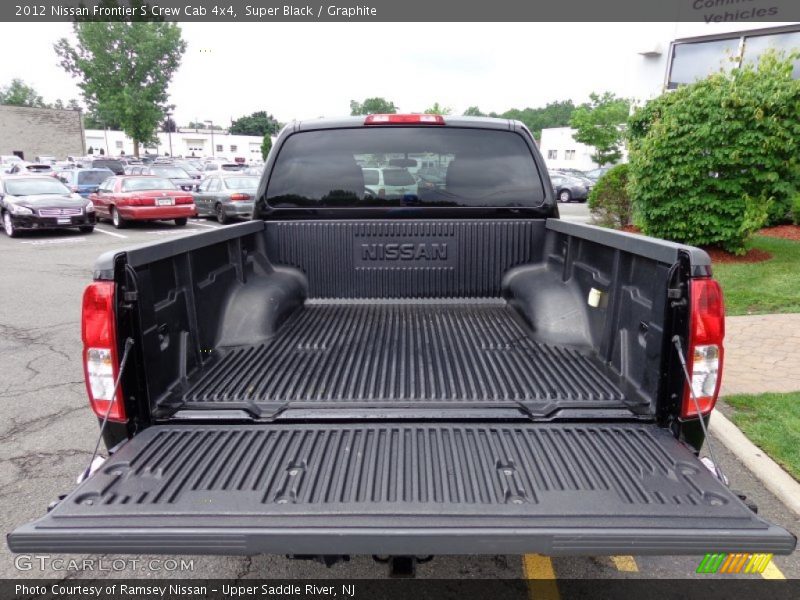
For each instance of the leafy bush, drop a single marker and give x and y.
(796, 209)
(266, 146)
(609, 200)
(779, 210)
(710, 160)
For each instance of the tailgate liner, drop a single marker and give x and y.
(402, 489)
(441, 355)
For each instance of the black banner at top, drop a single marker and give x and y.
(708, 11)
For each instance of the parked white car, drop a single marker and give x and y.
(391, 182)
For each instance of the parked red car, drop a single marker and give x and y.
(142, 198)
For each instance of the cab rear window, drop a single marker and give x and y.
(334, 167)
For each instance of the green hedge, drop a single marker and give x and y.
(712, 162)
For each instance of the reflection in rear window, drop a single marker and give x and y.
(371, 177)
(241, 183)
(170, 172)
(397, 177)
(482, 168)
(93, 177)
(141, 184)
(114, 165)
(30, 187)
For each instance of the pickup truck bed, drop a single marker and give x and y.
(427, 355)
(442, 370)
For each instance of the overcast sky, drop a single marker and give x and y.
(306, 70)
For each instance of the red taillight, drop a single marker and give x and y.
(100, 364)
(240, 197)
(705, 353)
(183, 200)
(404, 120)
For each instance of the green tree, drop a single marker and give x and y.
(473, 111)
(124, 69)
(258, 123)
(372, 106)
(73, 104)
(709, 161)
(609, 200)
(438, 110)
(92, 119)
(553, 114)
(168, 125)
(599, 123)
(266, 146)
(202, 125)
(18, 93)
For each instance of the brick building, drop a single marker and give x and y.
(31, 132)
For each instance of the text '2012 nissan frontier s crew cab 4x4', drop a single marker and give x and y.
(444, 368)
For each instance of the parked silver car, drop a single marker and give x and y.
(568, 189)
(226, 196)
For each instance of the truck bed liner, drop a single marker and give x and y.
(395, 488)
(432, 353)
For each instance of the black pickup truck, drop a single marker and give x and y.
(439, 369)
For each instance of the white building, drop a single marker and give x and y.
(184, 142)
(673, 54)
(561, 151)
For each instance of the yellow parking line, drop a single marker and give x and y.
(625, 564)
(541, 577)
(772, 572)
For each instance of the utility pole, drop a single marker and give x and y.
(213, 147)
(169, 133)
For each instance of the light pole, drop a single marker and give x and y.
(213, 147)
(169, 132)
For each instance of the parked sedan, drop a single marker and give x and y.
(568, 189)
(109, 163)
(84, 181)
(30, 202)
(190, 169)
(24, 168)
(574, 174)
(597, 173)
(430, 179)
(142, 198)
(176, 175)
(226, 196)
(216, 167)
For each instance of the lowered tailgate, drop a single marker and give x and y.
(402, 489)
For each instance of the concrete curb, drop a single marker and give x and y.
(774, 478)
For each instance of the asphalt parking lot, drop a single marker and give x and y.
(47, 431)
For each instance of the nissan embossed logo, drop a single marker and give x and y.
(405, 253)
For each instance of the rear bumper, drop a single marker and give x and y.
(399, 539)
(238, 209)
(154, 213)
(34, 222)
